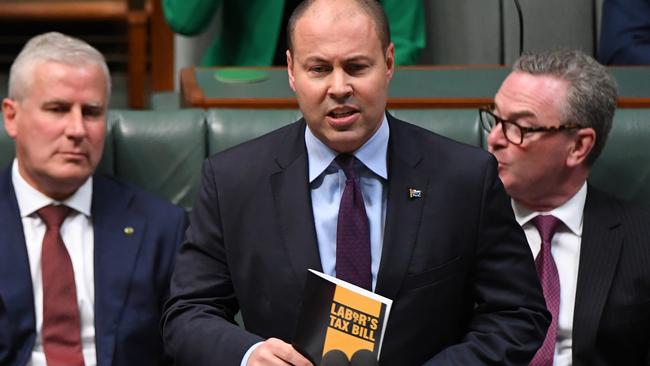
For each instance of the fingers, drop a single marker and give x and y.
(274, 352)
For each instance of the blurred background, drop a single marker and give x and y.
(145, 55)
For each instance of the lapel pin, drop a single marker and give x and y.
(414, 193)
(129, 230)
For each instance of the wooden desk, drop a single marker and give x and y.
(134, 13)
(411, 87)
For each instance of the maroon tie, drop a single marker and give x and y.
(548, 276)
(352, 233)
(61, 324)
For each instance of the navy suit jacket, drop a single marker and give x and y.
(132, 274)
(454, 261)
(611, 324)
(625, 33)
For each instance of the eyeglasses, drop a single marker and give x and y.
(512, 131)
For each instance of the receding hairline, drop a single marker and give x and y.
(370, 8)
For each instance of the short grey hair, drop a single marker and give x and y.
(56, 47)
(592, 93)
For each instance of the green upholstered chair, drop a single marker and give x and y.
(458, 124)
(230, 127)
(623, 168)
(7, 146)
(161, 151)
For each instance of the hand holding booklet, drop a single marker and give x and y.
(339, 316)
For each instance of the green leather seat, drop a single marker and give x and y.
(230, 127)
(163, 151)
(623, 168)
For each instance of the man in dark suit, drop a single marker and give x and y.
(550, 122)
(625, 33)
(88, 288)
(441, 239)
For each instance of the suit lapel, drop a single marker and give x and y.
(292, 199)
(15, 276)
(115, 256)
(403, 215)
(601, 244)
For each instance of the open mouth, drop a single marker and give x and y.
(334, 114)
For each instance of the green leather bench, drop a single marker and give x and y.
(162, 151)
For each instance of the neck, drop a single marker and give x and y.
(553, 199)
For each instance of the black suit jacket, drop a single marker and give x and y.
(611, 324)
(455, 261)
(132, 274)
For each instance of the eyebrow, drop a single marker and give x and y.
(65, 102)
(515, 115)
(347, 60)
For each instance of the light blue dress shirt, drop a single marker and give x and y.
(327, 182)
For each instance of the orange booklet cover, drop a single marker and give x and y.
(337, 315)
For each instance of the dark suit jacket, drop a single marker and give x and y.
(611, 324)
(625, 33)
(455, 262)
(132, 273)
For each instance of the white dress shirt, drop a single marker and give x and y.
(77, 234)
(565, 247)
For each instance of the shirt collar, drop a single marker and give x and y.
(372, 154)
(570, 212)
(31, 200)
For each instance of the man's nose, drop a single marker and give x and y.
(340, 87)
(496, 138)
(76, 126)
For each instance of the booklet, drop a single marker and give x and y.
(337, 315)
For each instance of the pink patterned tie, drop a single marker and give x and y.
(61, 324)
(548, 276)
(352, 233)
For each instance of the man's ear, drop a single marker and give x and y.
(390, 60)
(583, 143)
(9, 113)
(292, 79)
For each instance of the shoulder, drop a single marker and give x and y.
(435, 148)
(605, 207)
(259, 154)
(112, 191)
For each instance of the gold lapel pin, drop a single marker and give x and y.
(414, 193)
(129, 230)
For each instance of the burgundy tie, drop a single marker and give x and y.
(61, 324)
(548, 276)
(352, 233)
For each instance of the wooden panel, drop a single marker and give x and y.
(137, 58)
(162, 51)
(63, 10)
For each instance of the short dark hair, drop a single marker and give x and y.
(592, 93)
(372, 8)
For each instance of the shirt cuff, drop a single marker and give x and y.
(247, 355)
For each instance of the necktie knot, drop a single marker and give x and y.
(53, 216)
(346, 162)
(547, 226)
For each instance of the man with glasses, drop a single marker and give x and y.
(548, 125)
